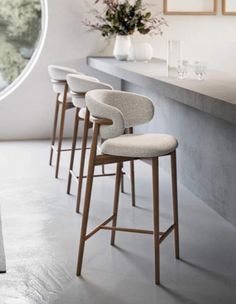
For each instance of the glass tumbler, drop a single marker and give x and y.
(200, 68)
(182, 68)
(173, 56)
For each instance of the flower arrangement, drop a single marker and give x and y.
(121, 17)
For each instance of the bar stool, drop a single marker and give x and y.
(111, 112)
(63, 100)
(79, 85)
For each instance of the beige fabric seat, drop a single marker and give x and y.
(115, 113)
(64, 101)
(82, 113)
(78, 86)
(68, 98)
(58, 78)
(140, 145)
(84, 82)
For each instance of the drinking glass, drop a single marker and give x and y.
(182, 68)
(200, 69)
(173, 56)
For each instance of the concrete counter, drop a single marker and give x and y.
(202, 116)
(216, 95)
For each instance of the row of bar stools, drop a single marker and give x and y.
(70, 87)
(79, 85)
(64, 101)
(112, 112)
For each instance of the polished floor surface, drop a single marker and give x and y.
(2, 253)
(41, 233)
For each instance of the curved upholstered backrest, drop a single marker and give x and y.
(123, 108)
(58, 75)
(80, 84)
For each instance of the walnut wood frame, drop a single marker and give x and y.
(88, 123)
(166, 12)
(224, 12)
(65, 105)
(96, 160)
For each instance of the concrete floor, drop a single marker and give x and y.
(41, 233)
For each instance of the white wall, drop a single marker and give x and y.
(210, 38)
(28, 112)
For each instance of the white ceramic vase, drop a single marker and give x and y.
(141, 52)
(122, 47)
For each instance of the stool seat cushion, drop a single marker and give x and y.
(140, 145)
(68, 99)
(78, 101)
(82, 113)
(81, 84)
(60, 72)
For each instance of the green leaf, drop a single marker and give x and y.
(147, 15)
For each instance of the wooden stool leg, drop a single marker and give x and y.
(116, 201)
(74, 139)
(175, 202)
(54, 129)
(63, 112)
(122, 181)
(132, 176)
(102, 166)
(82, 160)
(155, 180)
(85, 218)
(87, 199)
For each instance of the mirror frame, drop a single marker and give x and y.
(213, 12)
(25, 73)
(224, 12)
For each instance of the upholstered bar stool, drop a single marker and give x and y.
(63, 101)
(111, 112)
(79, 85)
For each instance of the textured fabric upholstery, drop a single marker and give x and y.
(78, 101)
(59, 73)
(140, 145)
(83, 84)
(82, 113)
(61, 97)
(123, 108)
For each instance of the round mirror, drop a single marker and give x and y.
(23, 25)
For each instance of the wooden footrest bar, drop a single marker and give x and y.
(98, 227)
(73, 175)
(95, 175)
(132, 230)
(67, 150)
(127, 230)
(109, 159)
(101, 175)
(166, 233)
